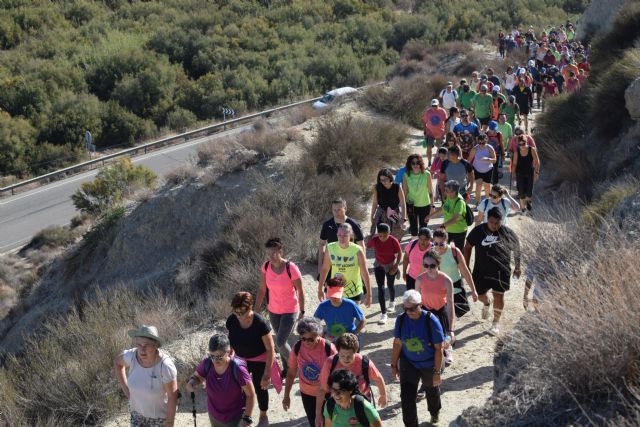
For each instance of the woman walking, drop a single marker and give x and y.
(230, 392)
(251, 339)
(151, 382)
(412, 261)
(306, 361)
(483, 159)
(388, 205)
(419, 190)
(345, 407)
(526, 167)
(282, 279)
(388, 255)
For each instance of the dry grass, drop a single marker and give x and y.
(183, 174)
(268, 143)
(575, 360)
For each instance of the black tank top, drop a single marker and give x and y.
(525, 163)
(388, 198)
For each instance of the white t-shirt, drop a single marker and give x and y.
(146, 385)
(487, 204)
(448, 99)
(510, 81)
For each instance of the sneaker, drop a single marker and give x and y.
(494, 330)
(485, 310)
(263, 422)
(383, 319)
(435, 419)
(392, 308)
(448, 356)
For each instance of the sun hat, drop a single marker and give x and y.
(146, 331)
(335, 291)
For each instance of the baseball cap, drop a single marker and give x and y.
(483, 87)
(493, 125)
(449, 84)
(496, 89)
(435, 102)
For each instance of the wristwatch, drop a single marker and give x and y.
(247, 419)
(437, 371)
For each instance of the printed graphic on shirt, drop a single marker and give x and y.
(337, 329)
(414, 345)
(311, 371)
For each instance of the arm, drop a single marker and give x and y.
(452, 221)
(195, 380)
(172, 400)
(405, 184)
(429, 189)
(262, 290)
(362, 262)
(291, 375)
(479, 217)
(492, 155)
(442, 178)
(514, 161)
(267, 340)
(297, 284)
(395, 356)
(437, 379)
(321, 250)
(516, 256)
(403, 204)
(326, 265)
(361, 324)
(396, 265)
(250, 394)
(470, 179)
(514, 203)
(472, 155)
(463, 267)
(467, 252)
(452, 318)
(405, 265)
(374, 204)
(382, 390)
(119, 369)
(536, 163)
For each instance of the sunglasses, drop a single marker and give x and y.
(312, 339)
(338, 391)
(440, 244)
(430, 266)
(464, 115)
(415, 163)
(414, 308)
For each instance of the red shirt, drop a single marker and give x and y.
(385, 251)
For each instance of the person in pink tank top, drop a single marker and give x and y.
(436, 290)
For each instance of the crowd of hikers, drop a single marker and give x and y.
(473, 128)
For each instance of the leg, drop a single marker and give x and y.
(458, 239)
(498, 305)
(257, 371)
(282, 335)
(413, 222)
(275, 320)
(478, 184)
(411, 282)
(432, 393)
(487, 187)
(429, 152)
(422, 213)
(379, 273)
(309, 404)
(391, 280)
(409, 377)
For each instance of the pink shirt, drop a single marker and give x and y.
(283, 297)
(433, 291)
(356, 368)
(309, 363)
(513, 145)
(415, 258)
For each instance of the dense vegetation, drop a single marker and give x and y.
(127, 70)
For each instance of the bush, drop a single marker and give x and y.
(51, 237)
(599, 210)
(180, 119)
(112, 186)
(267, 143)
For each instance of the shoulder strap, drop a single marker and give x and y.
(358, 406)
(234, 370)
(454, 252)
(485, 206)
(334, 363)
(400, 322)
(287, 266)
(504, 206)
(327, 348)
(330, 404)
(207, 367)
(265, 266)
(430, 343)
(296, 347)
(365, 370)
(413, 245)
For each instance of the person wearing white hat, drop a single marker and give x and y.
(448, 96)
(151, 381)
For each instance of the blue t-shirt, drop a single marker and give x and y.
(472, 128)
(414, 337)
(339, 319)
(400, 174)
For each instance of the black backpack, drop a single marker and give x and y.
(428, 322)
(287, 266)
(358, 406)
(365, 375)
(468, 215)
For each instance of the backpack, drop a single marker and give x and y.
(327, 348)
(428, 322)
(468, 215)
(413, 245)
(486, 204)
(365, 375)
(358, 406)
(135, 358)
(287, 266)
(454, 252)
(234, 369)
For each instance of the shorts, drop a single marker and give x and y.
(486, 284)
(524, 111)
(524, 184)
(485, 121)
(484, 176)
(432, 142)
(356, 298)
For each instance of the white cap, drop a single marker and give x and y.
(435, 102)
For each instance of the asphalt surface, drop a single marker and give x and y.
(23, 215)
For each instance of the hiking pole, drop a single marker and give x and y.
(193, 402)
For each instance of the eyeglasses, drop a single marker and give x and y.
(440, 244)
(430, 266)
(522, 144)
(464, 115)
(217, 357)
(413, 308)
(306, 339)
(415, 163)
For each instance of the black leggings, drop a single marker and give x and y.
(309, 404)
(391, 278)
(417, 217)
(458, 239)
(256, 369)
(411, 282)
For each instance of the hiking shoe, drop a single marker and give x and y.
(485, 310)
(494, 330)
(383, 319)
(448, 356)
(435, 419)
(392, 307)
(263, 422)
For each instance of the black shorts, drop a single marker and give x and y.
(484, 176)
(486, 284)
(525, 185)
(524, 111)
(357, 298)
(485, 121)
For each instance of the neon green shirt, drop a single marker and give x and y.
(347, 417)
(345, 262)
(450, 207)
(482, 105)
(418, 189)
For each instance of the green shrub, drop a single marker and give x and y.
(180, 119)
(52, 237)
(112, 186)
(596, 212)
(121, 127)
(16, 142)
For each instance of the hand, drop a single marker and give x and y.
(437, 380)
(320, 295)
(189, 387)
(393, 270)
(286, 403)
(395, 374)
(382, 401)
(367, 300)
(516, 272)
(474, 296)
(536, 177)
(301, 315)
(243, 424)
(265, 381)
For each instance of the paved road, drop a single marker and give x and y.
(23, 215)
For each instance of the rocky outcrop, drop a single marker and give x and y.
(632, 99)
(627, 215)
(599, 16)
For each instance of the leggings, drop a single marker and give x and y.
(391, 278)
(411, 282)
(282, 326)
(416, 218)
(256, 369)
(458, 239)
(309, 404)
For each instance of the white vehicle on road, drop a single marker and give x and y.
(332, 96)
